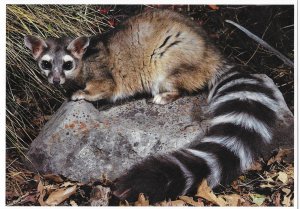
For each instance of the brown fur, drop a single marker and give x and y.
(155, 52)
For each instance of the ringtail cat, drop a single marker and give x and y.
(158, 52)
(164, 53)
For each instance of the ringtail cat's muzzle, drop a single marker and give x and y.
(56, 81)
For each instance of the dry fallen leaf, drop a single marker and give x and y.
(172, 203)
(41, 189)
(258, 199)
(268, 185)
(190, 201)
(73, 203)
(281, 154)
(124, 203)
(270, 179)
(242, 178)
(205, 192)
(276, 199)
(286, 201)
(233, 199)
(18, 176)
(142, 201)
(178, 203)
(53, 177)
(60, 195)
(287, 197)
(283, 177)
(290, 171)
(30, 198)
(235, 185)
(100, 196)
(286, 191)
(67, 184)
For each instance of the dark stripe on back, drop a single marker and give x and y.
(228, 161)
(233, 77)
(165, 41)
(250, 138)
(248, 87)
(251, 107)
(172, 44)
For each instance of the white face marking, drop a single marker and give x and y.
(67, 58)
(69, 73)
(235, 146)
(212, 162)
(62, 80)
(247, 121)
(45, 72)
(46, 57)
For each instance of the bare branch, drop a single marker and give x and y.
(286, 60)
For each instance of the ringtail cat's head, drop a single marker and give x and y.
(58, 58)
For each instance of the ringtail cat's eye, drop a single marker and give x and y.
(46, 65)
(68, 65)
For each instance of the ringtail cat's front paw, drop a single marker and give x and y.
(78, 95)
(165, 98)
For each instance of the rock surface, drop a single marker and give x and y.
(83, 143)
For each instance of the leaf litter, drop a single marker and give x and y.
(269, 183)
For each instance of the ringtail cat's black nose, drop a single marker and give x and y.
(56, 81)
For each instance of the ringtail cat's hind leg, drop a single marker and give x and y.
(181, 79)
(96, 90)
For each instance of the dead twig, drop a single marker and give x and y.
(263, 43)
(19, 200)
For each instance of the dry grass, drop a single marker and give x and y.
(30, 100)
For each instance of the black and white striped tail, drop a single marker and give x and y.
(243, 112)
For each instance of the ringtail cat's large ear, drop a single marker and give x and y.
(35, 44)
(78, 46)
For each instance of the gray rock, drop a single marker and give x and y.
(83, 143)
